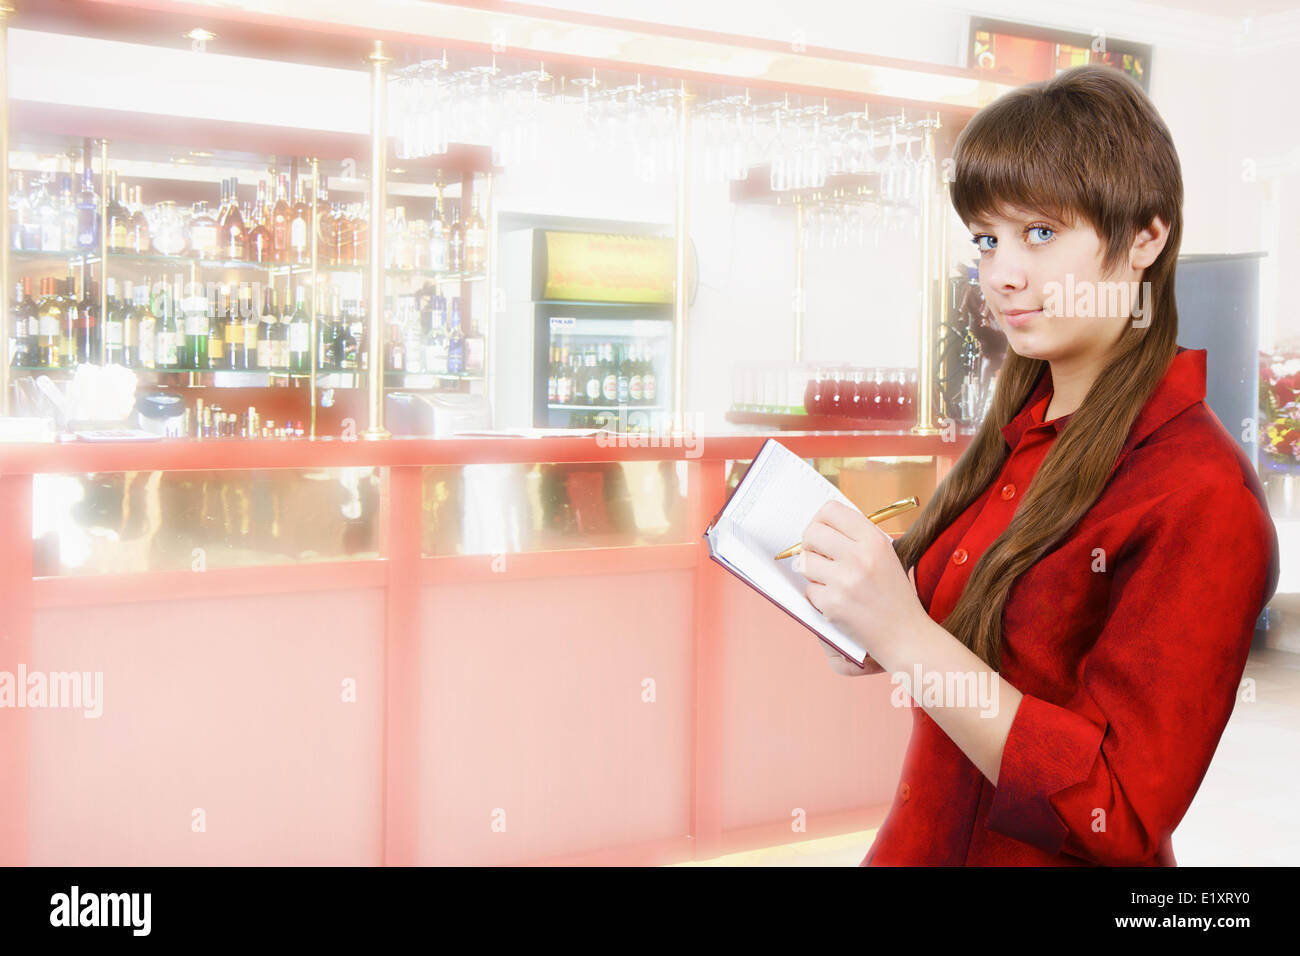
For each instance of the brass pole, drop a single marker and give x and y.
(315, 298)
(798, 278)
(103, 250)
(378, 188)
(681, 229)
(6, 399)
(929, 321)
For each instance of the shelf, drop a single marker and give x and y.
(790, 422)
(606, 408)
(263, 374)
(276, 268)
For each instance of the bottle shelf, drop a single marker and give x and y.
(153, 260)
(607, 408)
(793, 421)
(254, 377)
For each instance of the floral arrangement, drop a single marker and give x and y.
(1279, 403)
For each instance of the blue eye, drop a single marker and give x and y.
(982, 249)
(1047, 238)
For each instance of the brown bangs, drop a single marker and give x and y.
(1064, 151)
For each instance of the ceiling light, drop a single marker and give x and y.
(199, 35)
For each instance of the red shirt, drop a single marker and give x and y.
(1128, 641)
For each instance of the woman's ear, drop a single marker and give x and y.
(1148, 244)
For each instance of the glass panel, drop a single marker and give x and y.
(125, 522)
(494, 509)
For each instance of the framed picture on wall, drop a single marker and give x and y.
(1019, 51)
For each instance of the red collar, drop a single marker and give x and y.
(1182, 386)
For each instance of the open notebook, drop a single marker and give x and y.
(767, 513)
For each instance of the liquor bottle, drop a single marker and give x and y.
(456, 242)
(300, 227)
(252, 320)
(114, 326)
(395, 353)
(341, 237)
(203, 232)
(119, 219)
(66, 299)
(299, 335)
(233, 349)
(437, 239)
(130, 328)
(47, 215)
(266, 334)
(173, 350)
(147, 323)
(17, 200)
(361, 234)
(397, 244)
(67, 214)
(87, 205)
(232, 237)
(347, 342)
(455, 341)
(281, 335)
(436, 344)
(91, 320)
(475, 347)
(260, 247)
(217, 332)
(412, 335)
(18, 348)
(197, 325)
(475, 237)
(325, 228)
(281, 214)
(419, 233)
(609, 377)
(138, 226)
(49, 324)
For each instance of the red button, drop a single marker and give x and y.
(904, 792)
(959, 556)
(1008, 491)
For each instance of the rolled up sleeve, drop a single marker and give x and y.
(1108, 774)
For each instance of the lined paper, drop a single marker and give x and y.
(768, 512)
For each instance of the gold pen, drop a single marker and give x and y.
(897, 508)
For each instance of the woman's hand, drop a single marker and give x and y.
(857, 582)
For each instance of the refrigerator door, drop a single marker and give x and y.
(629, 347)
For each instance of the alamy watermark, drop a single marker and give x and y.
(637, 428)
(946, 689)
(1088, 299)
(64, 690)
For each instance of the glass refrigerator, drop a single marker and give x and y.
(599, 316)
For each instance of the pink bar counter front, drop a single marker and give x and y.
(458, 651)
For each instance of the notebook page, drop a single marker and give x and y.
(777, 504)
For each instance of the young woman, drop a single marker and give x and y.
(1090, 571)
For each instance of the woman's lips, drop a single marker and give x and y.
(1017, 320)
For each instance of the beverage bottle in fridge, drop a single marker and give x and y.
(649, 383)
(635, 374)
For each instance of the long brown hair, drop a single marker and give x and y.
(1087, 144)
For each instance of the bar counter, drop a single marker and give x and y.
(468, 650)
